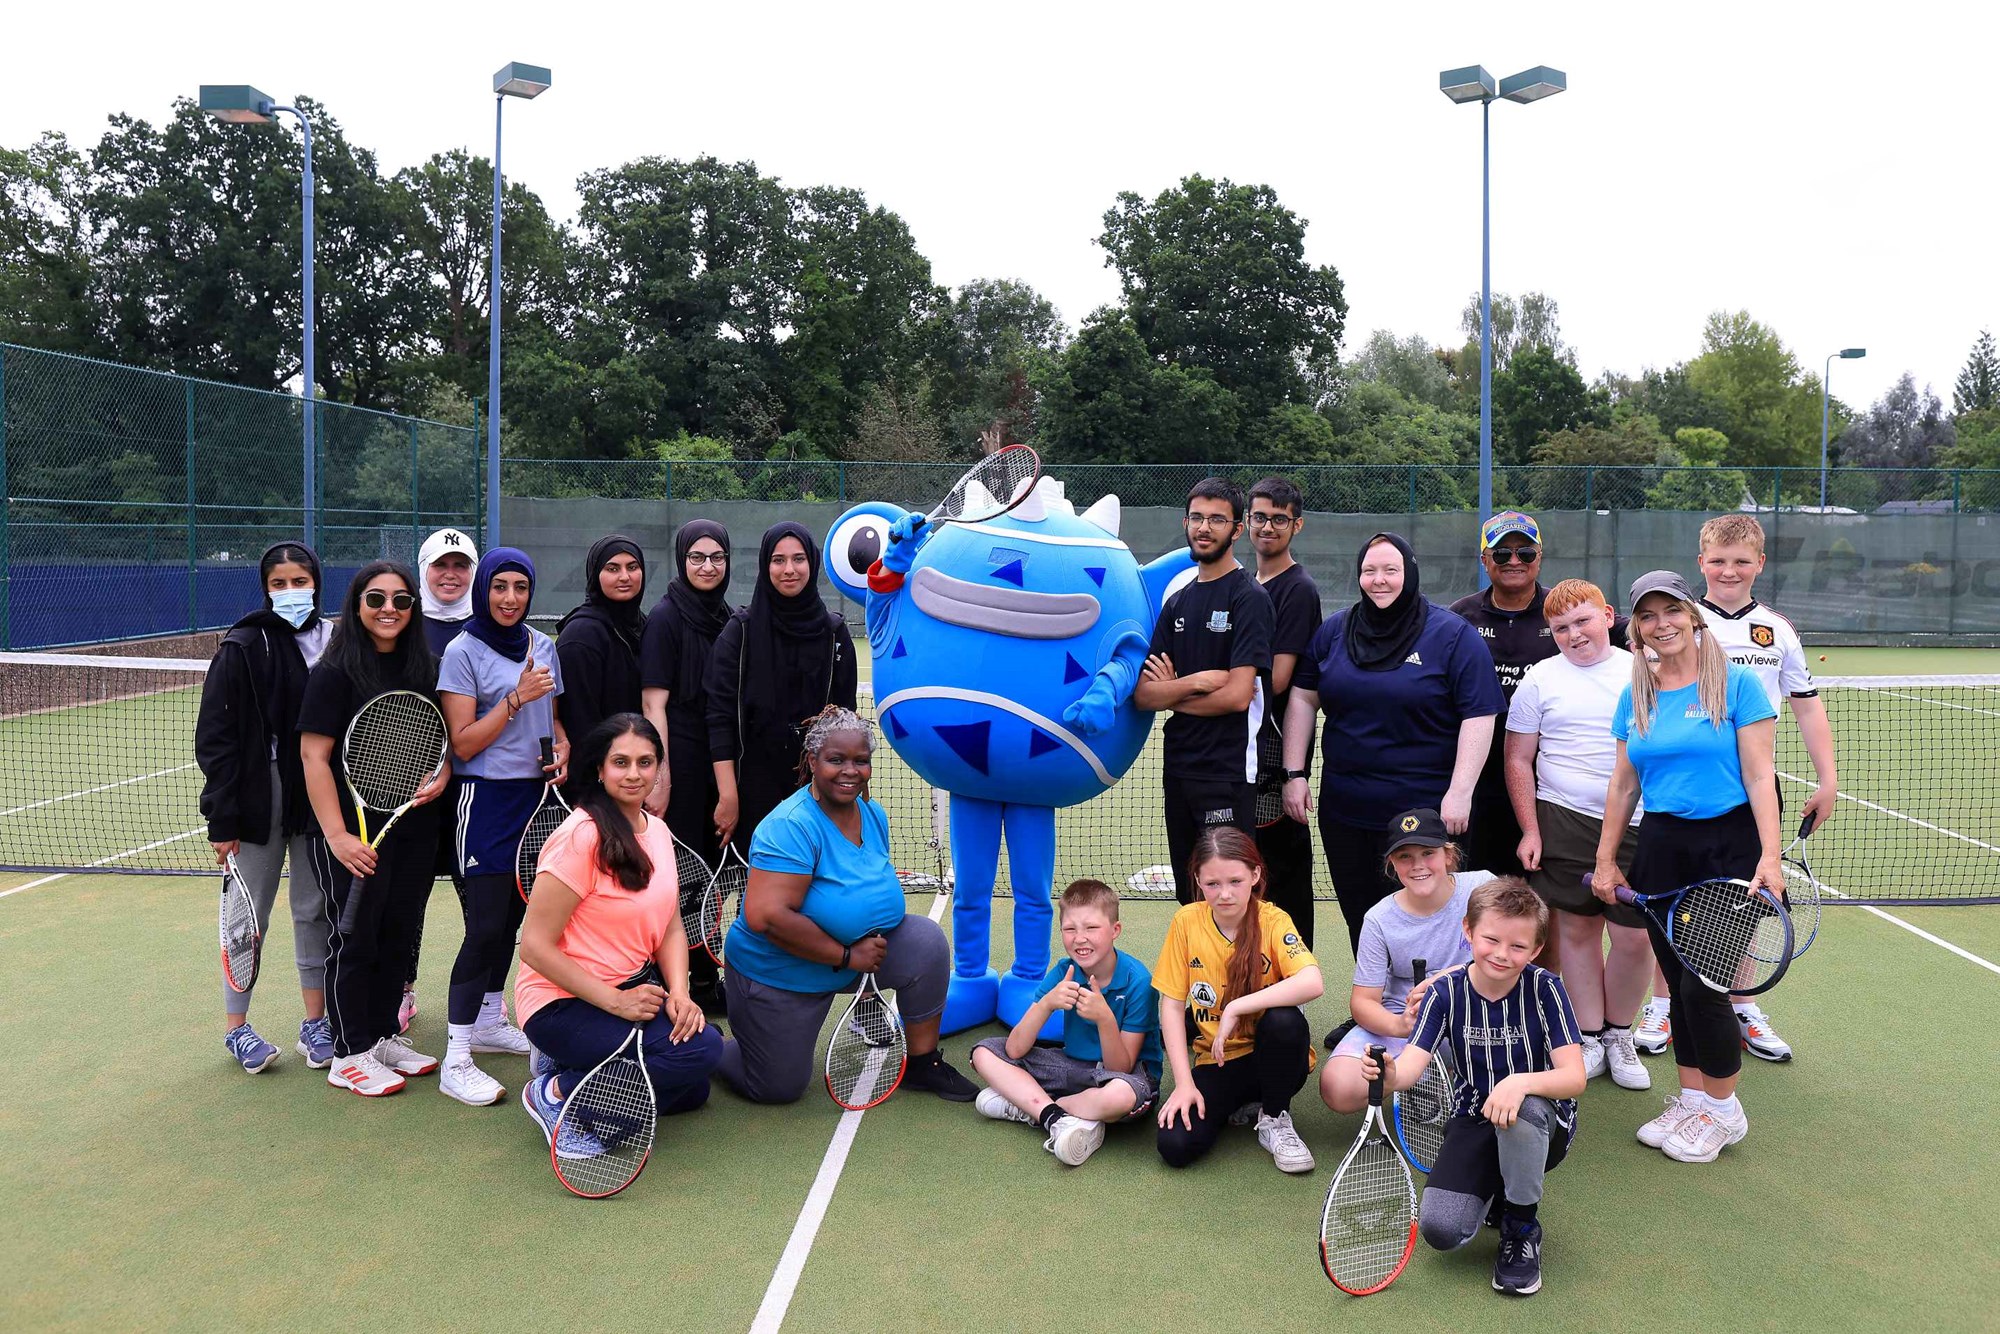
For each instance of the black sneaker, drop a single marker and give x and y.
(1518, 1267)
(931, 1074)
(1340, 1030)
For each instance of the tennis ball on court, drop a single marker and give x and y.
(1822, 657)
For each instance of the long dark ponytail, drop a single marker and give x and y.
(619, 853)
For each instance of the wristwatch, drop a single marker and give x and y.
(1290, 774)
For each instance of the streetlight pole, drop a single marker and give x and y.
(1845, 354)
(1474, 84)
(239, 104)
(523, 81)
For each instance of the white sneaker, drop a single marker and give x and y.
(501, 1037)
(1593, 1057)
(1655, 1032)
(463, 1080)
(400, 1057)
(365, 1075)
(1759, 1038)
(1701, 1138)
(992, 1105)
(1622, 1058)
(1654, 1133)
(1073, 1139)
(1282, 1142)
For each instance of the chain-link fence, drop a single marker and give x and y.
(137, 502)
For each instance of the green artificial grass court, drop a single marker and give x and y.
(153, 1186)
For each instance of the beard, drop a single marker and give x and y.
(1219, 553)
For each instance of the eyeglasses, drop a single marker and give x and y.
(1210, 521)
(374, 599)
(1508, 555)
(719, 559)
(1278, 521)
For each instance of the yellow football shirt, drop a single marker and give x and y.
(1194, 969)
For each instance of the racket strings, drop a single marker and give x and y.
(864, 1060)
(239, 936)
(992, 485)
(611, 1118)
(395, 744)
(1730, 938)
(1365, 1233)
(718, 906)
(542, 826)
(1421, 1113)
(693, 877)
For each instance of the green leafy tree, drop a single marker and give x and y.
(1905, 428)
(1537, 395)
(1691, 477)
(985, 348)
(1216, 283)
(1623, 457)
(1411, 366)
(46, 248)
(1106, 399)
(1978, 387)
(1378, 426)
(1533, 321)
(1773, 407)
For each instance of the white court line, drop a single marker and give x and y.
(103, 861)
(1939, 941)
(792, 1264)
(1896, 814)
(103, 787)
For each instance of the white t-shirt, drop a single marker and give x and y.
(1766, 643)
(1570, 707)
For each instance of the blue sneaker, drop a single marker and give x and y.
(1517, 1269)
(251, 1052)
(575, 1142)
(316, 1042)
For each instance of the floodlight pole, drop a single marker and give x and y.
(1485, 315)
(493, 349)
(1845, 354)
(311, 516)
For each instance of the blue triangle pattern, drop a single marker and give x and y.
(1072, 670)
(1011, 572)
(1041, 743)
(1096, 575)
(896, 729)
(970, 741)
(901, 650)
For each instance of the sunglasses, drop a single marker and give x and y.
(719, 559)
(375, 599)
(1508, 555)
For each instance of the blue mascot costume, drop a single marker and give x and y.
(1005, 656)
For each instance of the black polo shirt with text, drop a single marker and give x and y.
(1217, 625)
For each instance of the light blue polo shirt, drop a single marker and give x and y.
(1687, 765)
(471, 668)
(854, 891)
(1131, 997)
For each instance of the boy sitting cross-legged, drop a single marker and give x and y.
(1520, 1067)
(1108, 1068)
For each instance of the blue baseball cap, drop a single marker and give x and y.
(1505, 522)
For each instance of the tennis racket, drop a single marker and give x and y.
(721, 900)
(693, 876)
(1736, 939)
(1270, 777)
(1369, 1225)
(242, 937)
(604, 1133)
(990, 487)
(1421, 1110)
(868, 1052)
(1803, 892)
(548, 818)
(395, 745)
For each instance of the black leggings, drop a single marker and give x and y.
(367, 964)
(493, 912)
(1193, 805)
(1273, 1072)
(1673, 852)
(1354, 858)
(1288, 868)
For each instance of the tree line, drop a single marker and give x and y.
(703, 310)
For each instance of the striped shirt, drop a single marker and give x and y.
(1492, 1039)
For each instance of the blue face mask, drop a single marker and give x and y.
(294, 604)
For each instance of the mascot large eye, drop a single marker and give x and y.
(857, 541)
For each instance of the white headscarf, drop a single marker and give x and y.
(446, 542)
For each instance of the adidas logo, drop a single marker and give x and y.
(1414, 658)
(471, 862)
(1196, 963)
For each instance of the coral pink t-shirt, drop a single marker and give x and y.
(614, 931)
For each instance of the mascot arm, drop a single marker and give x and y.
(906, 538)
(1112, 686)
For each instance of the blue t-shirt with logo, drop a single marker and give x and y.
(1131, 997)
(1688, 766)
(854, 891)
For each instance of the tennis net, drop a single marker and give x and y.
(102, 779)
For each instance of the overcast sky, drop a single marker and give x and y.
(1828, 168)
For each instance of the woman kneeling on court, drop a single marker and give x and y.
(1695, 740)
(823, 907)
(605, 910)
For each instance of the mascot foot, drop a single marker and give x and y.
(1016, 995)
(970, 1001)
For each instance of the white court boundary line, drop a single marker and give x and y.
(102, 787)
(792, 1264)
(1894, 814)
(102, 861)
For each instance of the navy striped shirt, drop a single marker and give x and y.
(1492, 1039)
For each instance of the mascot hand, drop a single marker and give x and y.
(1095, 712)
(905, 536)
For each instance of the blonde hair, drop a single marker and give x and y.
(1570, 594)
(1726, 530)
(1711, 672)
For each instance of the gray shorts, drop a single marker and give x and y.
(770, 1056)
(1061, 1074)
(1569, 852)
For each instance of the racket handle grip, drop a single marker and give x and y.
(548, 753)
(1419, 967)
(1624, 893)
(1806, 825)
(1378, 1055)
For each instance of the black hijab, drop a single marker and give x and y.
(704, 613)
(626, 620)
(787, 641)
(1378, 638)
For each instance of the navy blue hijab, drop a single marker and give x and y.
(509, 641)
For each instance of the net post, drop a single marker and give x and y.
(193, 594)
